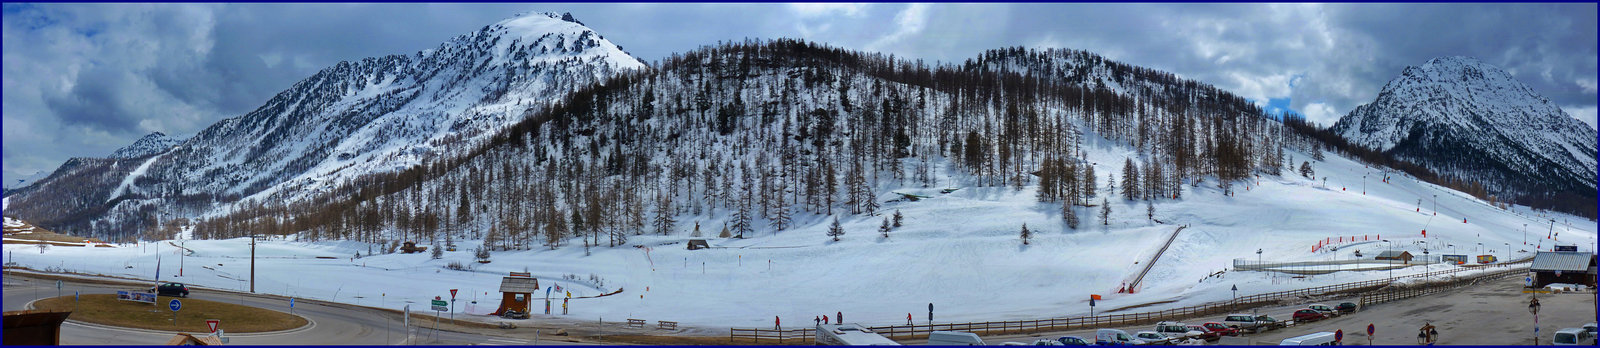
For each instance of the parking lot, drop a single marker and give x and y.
(1484, 314)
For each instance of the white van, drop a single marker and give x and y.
(954, 338)
(1571, 337)
(1316, 339)
(1114, 337)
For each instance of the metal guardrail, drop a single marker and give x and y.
(805, 335)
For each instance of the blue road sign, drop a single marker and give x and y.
(174, 305)
(291, 302)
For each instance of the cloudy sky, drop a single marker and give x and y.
(86, 79)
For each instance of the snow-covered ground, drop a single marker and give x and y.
(959, 251)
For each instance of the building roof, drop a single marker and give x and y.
(519, 285)
(1562, 261)
(1393, 253)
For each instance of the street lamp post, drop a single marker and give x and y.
(1258, 258)
(1435, 204)
(1391, 262)
(1426, 267)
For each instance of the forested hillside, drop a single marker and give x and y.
(764, 133)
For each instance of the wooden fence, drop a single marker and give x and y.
(915, 331)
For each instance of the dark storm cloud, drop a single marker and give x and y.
(85, 79)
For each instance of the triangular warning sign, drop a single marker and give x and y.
(212, 323)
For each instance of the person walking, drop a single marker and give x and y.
(777, 324)
(824, 319)
(908, 318)
(817, 320)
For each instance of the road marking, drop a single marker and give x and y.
(496, 341)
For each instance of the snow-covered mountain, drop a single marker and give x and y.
(151, 144)
(1461, 117)
(354, 118)
(27, 180)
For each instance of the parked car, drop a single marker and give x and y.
(1047, 342)
(954, 338)
(1242, 322)
(1315, 339)
(1270, 323)
(1344, 308)
(1178, 330)
(1328, 311)
(1305, 315)
(1572, 337)
(1073, 341)
(1220, 328)
(1114, 337)
(171, 289)
(1205, 334)
(1591, 329)
(1153, 338)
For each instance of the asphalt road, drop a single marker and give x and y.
(330, 323)
(1491, 313)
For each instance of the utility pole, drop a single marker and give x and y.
(252, 263)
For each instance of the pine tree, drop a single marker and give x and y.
(884, 228)
(437, 251)
(1150, 209)
(1070, 214)
(741, 220)
(1316, 152)
(483, 253)
(780, 217)
(1105, 212)
(663, 220)
(897, 218)
(1089, 182)
(1130, 180)
(1025, 234)
(835, 230)
(1305, 170)
(1111, 184)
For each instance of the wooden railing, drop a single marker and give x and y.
(779, 336)
(915, 331)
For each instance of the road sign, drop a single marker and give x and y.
(440, 303)
(930, 311)
(58, 283)
(1528, 281)
(452, 293)
(1370, 330)
(291, 302)
(212, 323)
(174, 305)
(1338, 335)
(440, 308)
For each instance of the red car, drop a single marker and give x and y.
(1205, 333)
(1308, 314)
(1220, 329)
